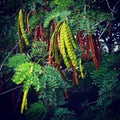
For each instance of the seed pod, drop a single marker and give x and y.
(71, 37)
(27, 22)
(81, 70)
(36, 34)
(22, 27)
(55, 51)
(53, 41)
(92, 48)
(75, 79)
(97, 50)
(63, 49)
(86, 55)
(41, 32)
(68, 44)
(24, 101)
(21, 46)
(19, 40)
(80, 37)
(53, 25)
(26, 104)
(59, 69)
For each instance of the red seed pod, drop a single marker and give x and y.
(27, 22)
(86, 55)
(50, 53)
(93, 50)
(53, 25)
(41, 32)
(36, 34)
(75, 79)
(58, 41)
(97, 49)
(59, 69)
(80, 37)
(71, 64)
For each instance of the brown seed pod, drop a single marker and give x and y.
(75, 79)
(36, 34)
(41, 32)
(53, 43)
(80, 37)
(93, 51)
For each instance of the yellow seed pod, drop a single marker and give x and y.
(19, 40)
(20, 46)
(81, 70)
(24, 101)
(63, 49)
(71, 36)
(53, 49)
(31, 69)
(56, 53)
(69, 45)
(22, 27)
(26, 104)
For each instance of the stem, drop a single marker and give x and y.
(10, 90)
(112, 10)
(8, 55)
(104, 30)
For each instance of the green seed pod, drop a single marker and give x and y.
(69, 45)
(63, 49)
(22, 27)
(71, 37)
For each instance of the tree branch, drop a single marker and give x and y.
(104, 30)
(8, 55)
(112, 9)
(10, 90)
(116, 4)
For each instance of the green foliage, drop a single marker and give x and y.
(39, 51)
(36, 111)
(64, 4)
(55, 14)
(63, 114)
(36, 19)
(46, 79)
(28, 74)
(106, 78)
(51, 82)
(89, 20)
(17, 59)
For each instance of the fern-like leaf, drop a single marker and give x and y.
(17, 59)
(27, 73)
(37, 111)
(55, 14)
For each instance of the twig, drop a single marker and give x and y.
(97, 24)
(116, 4)
(104, 30)
(8, 56)
(91, 103)
(10, 90)
(79, 91)
(112, 10)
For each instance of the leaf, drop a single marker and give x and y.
(55, 14)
